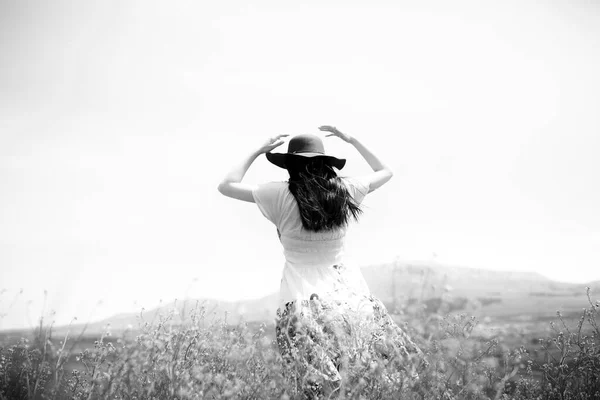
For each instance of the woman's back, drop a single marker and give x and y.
(278, 205)
(312, 259)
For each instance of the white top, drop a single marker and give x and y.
(310, 256)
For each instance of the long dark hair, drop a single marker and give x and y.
(323, 198)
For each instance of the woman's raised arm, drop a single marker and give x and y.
(381, 173)
(232, 186)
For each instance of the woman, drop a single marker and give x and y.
(327, 321)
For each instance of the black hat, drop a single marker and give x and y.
(306, 145)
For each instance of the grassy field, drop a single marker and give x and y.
(506, 356)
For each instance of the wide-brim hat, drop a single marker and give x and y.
(304, 146)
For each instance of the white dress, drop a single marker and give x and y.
(327, 319)
(312, 259)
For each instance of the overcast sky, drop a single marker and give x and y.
(118, 119)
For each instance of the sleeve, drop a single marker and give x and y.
(358, 188)
(267, 197)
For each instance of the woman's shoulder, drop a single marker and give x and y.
(358, 181)
(268, 190)
(269, 198)
(271, 187)
(357, 186)
(274, 184)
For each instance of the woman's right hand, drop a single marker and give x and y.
(335, 132)
(272, 143)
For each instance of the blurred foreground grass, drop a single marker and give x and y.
(207, 358)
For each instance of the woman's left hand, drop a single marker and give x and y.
(272, 143)
(335, 132)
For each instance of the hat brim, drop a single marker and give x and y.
(281, 159)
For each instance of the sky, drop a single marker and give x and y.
(118, 120)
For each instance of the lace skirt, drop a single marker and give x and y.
(341, 332)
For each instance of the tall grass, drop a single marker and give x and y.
(206, 358)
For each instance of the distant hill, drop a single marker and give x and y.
(479, 292)
(424, 280)
(254, 310)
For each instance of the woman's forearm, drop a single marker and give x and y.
(381, 173)
(231, 185)
(369, 157)
(238, 172)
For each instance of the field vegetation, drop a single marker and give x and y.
(192, 353)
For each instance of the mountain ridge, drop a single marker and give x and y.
(489, 292)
